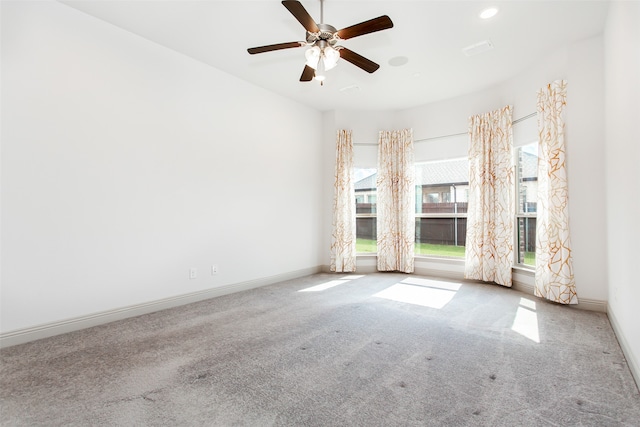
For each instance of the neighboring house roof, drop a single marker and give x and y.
(442, 172)
(449, 172)
(366, 183)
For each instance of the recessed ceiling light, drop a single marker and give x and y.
(398, 61)
(489, 13)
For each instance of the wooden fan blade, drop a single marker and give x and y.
(358, 60)
(271, 47)
(301, 14)
(371, 26)
(307, 74)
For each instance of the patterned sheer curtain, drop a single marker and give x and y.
(343, 238)
(554, 264)
(396, 201)
(491, 208)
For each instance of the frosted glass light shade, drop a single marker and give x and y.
(330, 57)
(313, 56)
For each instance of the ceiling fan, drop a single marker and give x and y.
(323, 41)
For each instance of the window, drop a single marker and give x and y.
(365, 191)
(442, 177)
(442, 189)
(441, 207)
(526, 193)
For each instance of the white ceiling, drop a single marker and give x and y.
(431, 34)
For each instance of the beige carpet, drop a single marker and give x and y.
(377, 350)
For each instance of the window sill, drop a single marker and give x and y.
(454, 260)
(365, 255)
(526, 270)
(519, 269)
(439, 259)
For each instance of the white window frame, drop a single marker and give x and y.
(520, 215)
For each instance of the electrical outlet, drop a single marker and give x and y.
(193, 273)
(214, 269)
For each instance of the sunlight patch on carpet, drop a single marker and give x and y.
(526, 320)
(450, 286)
(417, 295)
(330, 284)
(324, 286)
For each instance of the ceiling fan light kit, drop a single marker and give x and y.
(323, 39)
(327, 54)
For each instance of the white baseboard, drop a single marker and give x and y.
(22, 336)
(591, 305)
(421, 271)
(583, 303)
(453, 269)
(633, 360)
(522, 287)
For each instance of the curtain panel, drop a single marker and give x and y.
(554, 278)
(343, 237)
(491, 208)
(396, 201)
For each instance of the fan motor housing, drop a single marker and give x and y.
(326, 33)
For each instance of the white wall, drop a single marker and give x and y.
(365, 124)
(581, 64)
(585, 167)
(451, 116)
(124, 164)
(329, 161)
(622, 150)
